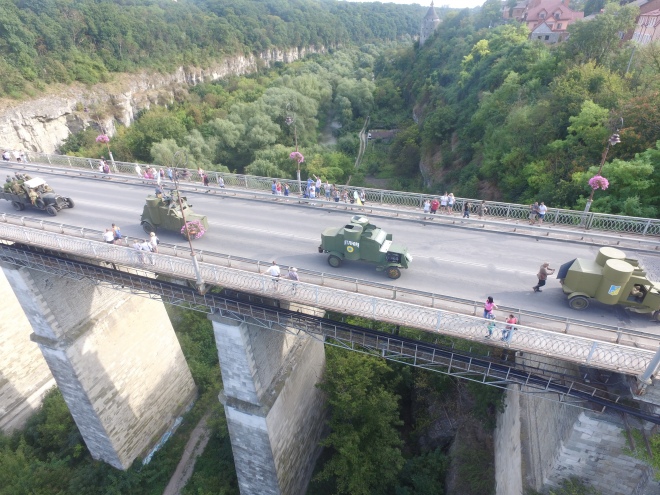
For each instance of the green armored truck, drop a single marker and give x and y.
(611, 279)
(361, 240)
(165, 212)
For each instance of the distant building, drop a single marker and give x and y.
(645, 7)
(647, 29)
(429, 24)
(547, 20)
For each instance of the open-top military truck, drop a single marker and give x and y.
(21, 193)
(611, 279)
(361, 240)
(165, 212)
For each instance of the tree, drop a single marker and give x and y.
(366, 456)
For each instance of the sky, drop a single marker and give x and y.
(457, 4)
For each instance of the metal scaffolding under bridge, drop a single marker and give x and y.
(559, 384)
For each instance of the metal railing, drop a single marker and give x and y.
(544, 321)
(496, 370)
(493, 209)
(582, 350)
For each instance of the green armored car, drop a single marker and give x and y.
(361, 240)
(611, 279)
(166, 213)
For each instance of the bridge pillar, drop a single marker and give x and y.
(24, 374)
(275, 412)
(115, 359)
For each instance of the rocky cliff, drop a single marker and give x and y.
(41, 124)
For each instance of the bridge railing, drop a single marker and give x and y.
(583, 350)
(493, 209)
(546, 321)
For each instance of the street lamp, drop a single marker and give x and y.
(180, 161)
(614, 139)
(291, 119)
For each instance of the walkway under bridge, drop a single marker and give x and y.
(564, 384)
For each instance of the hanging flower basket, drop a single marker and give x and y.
(297, 156)
(195, 229)
(102, 138)
(599, 182)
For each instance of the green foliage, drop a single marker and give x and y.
(86, 40)
(424, 475)
(364, 439)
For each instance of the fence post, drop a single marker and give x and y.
(508, 211)
(421, 201)
(49, 162)
(590, 221)
(646, 227)
(68, 159)
(381, 196)
(554, 219)
(245, 181)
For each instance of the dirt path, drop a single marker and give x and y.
(194, 448)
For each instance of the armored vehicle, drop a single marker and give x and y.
(361, 240)
(611, 279)
(34, 193)
(165, 212)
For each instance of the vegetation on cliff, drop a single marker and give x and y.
(501, 116)
(59, 41)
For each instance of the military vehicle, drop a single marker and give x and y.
(361, 240)
(611, 279)
(22, 192)
(165, 212)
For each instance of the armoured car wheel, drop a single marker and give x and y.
(39, 203)
(51, 210)
(148, 228)
(656, 316)
(578, 302)
(71, 203)
(18, 206)
(334, 261)
(393, 272)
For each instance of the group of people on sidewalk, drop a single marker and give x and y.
(113, 235)
(511, 320)
(446, 203)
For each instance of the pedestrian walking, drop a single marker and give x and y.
(450, 203)
(116, 232)
(533, 213)
(221, 182)
(293, 276)
(109, 236)
(435, 204)
(274, 271)
(286, 189)
(444, 199)
(427, 206)
(542, 211)
(490, 327)
(481, 209)
(542, 275)
(273, 187)
(153, 242)
(205, 180)
(489, 306)
(466, 210)
(138, 170)
(507, 332)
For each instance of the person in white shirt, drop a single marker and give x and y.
(443, 202)
(273, 270)
(109, 236)
(153, 242)
(542, 211)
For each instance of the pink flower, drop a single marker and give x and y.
(102, 138)
(297, 156)
(599, 182)
(195, 229)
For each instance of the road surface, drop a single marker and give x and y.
(459, 262)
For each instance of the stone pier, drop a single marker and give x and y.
(24, 374)
(275, 412)
(114, 356)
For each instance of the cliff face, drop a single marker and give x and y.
(43, 123)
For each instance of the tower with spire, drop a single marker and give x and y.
(429, 24)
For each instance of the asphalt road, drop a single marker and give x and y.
(455, 261)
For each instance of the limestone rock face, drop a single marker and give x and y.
(43, 123)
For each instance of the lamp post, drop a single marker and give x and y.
(614, 139)
(289, 119)
(180, 161)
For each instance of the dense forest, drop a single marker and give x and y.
(504, 117)
(61, 41)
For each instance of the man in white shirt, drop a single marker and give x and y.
(542, 211)
(273, 271)
(443, 202)
(109, 236)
